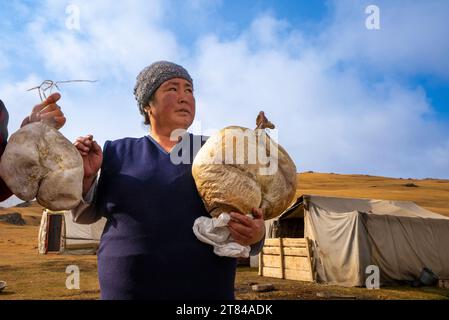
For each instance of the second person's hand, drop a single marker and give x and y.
(47, 111)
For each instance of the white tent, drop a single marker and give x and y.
(59, 234)
(348, 235)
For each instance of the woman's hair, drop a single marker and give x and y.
(146, 118)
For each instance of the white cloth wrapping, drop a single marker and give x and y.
(214, 231)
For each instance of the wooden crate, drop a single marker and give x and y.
(443, 283)
(287, 258)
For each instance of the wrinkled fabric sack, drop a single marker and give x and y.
(232, 174)
(214, 231)
(39, 162)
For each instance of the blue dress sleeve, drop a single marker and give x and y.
(257, 247)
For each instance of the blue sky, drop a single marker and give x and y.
(229, 17)
(345, 99)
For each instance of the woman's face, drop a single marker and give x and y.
(173, 106)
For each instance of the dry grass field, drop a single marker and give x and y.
(33, 276)
(432, 194)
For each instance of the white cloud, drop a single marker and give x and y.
(10, 202)
(18, 101)
(330, 118)
(113, 44)
(412, 37)
(115, 39)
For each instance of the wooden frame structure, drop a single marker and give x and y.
(287, 258)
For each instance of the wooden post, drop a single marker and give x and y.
(281, 250)
(261, 263)
(309, 258)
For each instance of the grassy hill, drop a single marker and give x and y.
(33, 276)
(432, 194)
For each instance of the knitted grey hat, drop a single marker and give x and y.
(150, 78)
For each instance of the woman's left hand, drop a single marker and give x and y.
(247, 231)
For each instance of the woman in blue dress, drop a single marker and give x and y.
(148, 249)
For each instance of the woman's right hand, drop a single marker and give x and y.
(92, 159)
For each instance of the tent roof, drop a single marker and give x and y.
(369, 206)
